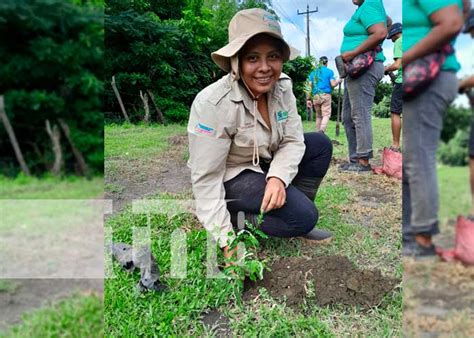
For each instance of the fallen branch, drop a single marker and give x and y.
(144, 98)
(117, 94)
(55, 137)
(161, 118)
(83, 168)
(13, 140)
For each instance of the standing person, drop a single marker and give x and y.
(428, 26)
(318, 92)
(247, 148)
(365, 30)
(466, 85)
(395, 34)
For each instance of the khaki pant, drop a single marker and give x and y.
(322, 107)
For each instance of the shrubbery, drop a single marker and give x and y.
(455, 151)
(51, 67)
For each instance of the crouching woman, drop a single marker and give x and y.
(247, 149)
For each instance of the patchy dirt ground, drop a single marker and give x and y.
(325, 280)
(438, 296)
(25, 295)
(127, 180)
(217, 323)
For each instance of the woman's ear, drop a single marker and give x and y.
(234, 67)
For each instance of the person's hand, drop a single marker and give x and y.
(229, 255)
(309, 104)
(275, 195)
(347, 56)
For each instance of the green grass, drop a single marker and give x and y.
(454, 191)
(177, 312)
(71, 187)
(7, 285)
(382, 135)
(77, 316)
(138, 141)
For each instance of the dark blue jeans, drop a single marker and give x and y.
(299, 215)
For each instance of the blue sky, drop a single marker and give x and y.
(326, 30)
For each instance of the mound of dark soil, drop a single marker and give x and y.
(324, 280)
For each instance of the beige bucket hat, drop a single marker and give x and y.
(244, 25)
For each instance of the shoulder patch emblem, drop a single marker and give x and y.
(282, 115)
(203, 129)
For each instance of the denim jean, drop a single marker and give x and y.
(423, 121)
(357, 104)
(299, 214)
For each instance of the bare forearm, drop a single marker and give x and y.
(467, 82)
(370, 43)
(394, 66)
(447, 24)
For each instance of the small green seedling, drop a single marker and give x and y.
(246, 263)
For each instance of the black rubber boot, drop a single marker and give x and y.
(308, 186)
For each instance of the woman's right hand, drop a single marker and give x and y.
(230, 256)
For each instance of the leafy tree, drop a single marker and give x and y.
(457, 118)
(382, 90)
(164, 49)
(299, 69)
(51, 68)
(382, 109)
(455, 151)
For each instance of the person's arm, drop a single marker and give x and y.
(377, 33)
(466, 8)
(209, 145)
(447, 23)
(394, 66)
(308, 89)
(334, 83)
(466, 83)
(389, 22)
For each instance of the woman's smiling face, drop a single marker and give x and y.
(261, 63)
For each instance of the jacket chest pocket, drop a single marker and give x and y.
(244, 138)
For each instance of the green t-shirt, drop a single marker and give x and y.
(371, 12)
(397, 54)
(417, 24)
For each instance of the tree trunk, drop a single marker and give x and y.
(117, 94)
(55, 136)
(83, 168)
(13, 140)
(144, 98)
(161, 118)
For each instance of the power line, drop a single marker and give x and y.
(286, 16)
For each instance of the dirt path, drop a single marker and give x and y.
(439, 296)
(137, 179)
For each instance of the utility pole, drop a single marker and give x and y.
(308, 12)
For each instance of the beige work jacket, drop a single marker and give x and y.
(221, 132)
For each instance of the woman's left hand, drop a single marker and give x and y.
(347, 56)
(275, 195)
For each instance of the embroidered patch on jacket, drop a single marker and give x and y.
(282, 115)
(203, 129)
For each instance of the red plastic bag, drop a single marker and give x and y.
(464, 245)
(391, 164)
